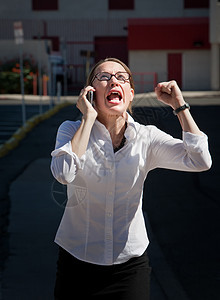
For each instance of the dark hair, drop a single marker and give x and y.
(92, 73)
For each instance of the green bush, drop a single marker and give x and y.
(10, 76)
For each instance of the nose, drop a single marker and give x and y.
(113, 81)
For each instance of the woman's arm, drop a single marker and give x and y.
(190, 154)
(170, 94)
(71, 142)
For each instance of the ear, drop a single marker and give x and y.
(132, 94)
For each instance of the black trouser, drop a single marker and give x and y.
(77, 279)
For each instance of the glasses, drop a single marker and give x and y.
(105, 76)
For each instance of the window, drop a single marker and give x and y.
(44, 5)
(120, 4)
(196, 3)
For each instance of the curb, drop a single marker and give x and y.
(22, 131)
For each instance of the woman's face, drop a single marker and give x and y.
(112, 97)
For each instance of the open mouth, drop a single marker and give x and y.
(114, 96)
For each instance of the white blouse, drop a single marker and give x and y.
(103, 221)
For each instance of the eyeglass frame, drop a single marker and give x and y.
(126, 80)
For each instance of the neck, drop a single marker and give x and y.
(115, 124)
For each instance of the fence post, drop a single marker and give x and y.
(155, 79)
(34, 84)
(44, 85)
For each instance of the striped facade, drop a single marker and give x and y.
(77, 27)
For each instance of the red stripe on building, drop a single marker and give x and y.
(172, 33)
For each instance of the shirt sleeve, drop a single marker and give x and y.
(65, 162)
(189, 154)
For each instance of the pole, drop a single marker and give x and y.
(22, 85)
(50, 82)
(49, 71)
(39, 75)
(65, 68)
(87, 63)
(59, 91)
(19, 40)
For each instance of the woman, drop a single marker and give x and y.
(104, 160)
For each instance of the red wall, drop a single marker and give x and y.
(111, 46)
(174, 33)
(174, 63)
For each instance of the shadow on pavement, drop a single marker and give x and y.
(182, 213)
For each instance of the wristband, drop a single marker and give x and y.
(185, 106)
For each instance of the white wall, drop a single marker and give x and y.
(214, 30)
(149, 61)
(195, 66)
(72, 9)
(83, 20)
(9, 50)
(214, 21)
(196, 70)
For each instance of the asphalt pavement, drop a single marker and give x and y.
(11, 118)
(181, 209)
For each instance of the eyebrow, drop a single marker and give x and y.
(111, 72)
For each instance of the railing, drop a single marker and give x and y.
(144, 81)
(76, 79)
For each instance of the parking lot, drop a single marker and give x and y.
(182, 210)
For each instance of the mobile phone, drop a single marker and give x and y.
(90, 96)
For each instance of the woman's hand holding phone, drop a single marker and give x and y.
(85, 102)
(81, 138)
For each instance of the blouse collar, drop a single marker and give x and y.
(130, 132)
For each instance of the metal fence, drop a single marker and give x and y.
(76, 77)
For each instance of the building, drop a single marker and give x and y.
(215, 44)
(160, 40)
